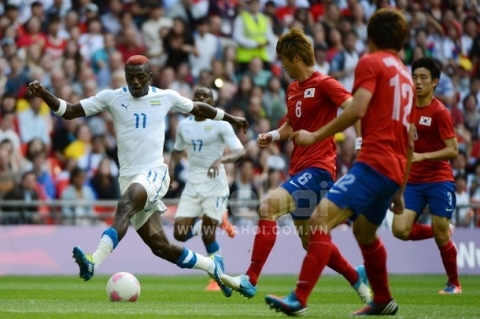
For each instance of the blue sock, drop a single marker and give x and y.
(187, 259)
(212, 248)
(112, 234)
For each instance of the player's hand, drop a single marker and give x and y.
(239, 123)
(417, 157)
(398, 204)
(213, 169)
(302, 137)
(36, 88)
(171, 174)
(264, 139)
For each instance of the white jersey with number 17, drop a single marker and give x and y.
(139, 124)
(205, 142)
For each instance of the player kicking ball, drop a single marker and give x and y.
(138, 111)
(203, 202)
(431, 178)
(383, 97)
(313, 101)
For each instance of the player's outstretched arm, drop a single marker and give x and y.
(175, 158)
(204, 110)
(282, 133)
(60, 107)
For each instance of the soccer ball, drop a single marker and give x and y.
(123, 286)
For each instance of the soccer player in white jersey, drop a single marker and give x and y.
(206, 192)
(138, 112)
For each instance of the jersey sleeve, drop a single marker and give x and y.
(97, 103)
(178, 102)
(366, 74)
(444, 125)
(230, 137)
(335, 91)
(179, 144)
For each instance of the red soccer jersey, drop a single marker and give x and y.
(433, 125)
(385, 125)
(312, 104)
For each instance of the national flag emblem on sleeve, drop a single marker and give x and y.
(309, 93)
(424, 120)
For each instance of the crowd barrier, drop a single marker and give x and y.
(47, 249)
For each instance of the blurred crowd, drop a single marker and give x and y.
(76, 48)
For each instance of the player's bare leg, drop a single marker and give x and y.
(325, 217)
(183, 229)
(132, 201)
(357, 276)
(278, 203)
(153, 235)
(209, 227)
(448, 251)
(405, 228)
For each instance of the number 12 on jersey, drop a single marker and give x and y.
(401, 92)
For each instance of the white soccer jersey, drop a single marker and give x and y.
(205, 142)
(139, 124)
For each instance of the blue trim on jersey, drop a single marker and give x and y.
(161, 185)
(439, 196)
(365, 191)
(154, 89)
(124, 88)
(307, 189)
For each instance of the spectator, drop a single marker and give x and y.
(104, 182)
(207, 46)
(78, 192)
(274, 102)
(179, 44)
(8, 177)
(151, 30)
(321, 63)
(81, 146)
(33, 124)
(27, 192)
(253, 32)
(463, 215)
(345, 61)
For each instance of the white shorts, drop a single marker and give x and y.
(156, 184)
(204, 199)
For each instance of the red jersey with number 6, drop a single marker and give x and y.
(386, 124)
(433, 125)
(312, 104)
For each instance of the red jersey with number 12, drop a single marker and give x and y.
(433, 125)
(312, 104)
(386, 124)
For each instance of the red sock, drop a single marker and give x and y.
(338, 263)
(375, 257)
(315, 261)
(420, 232)
(262, 246)
(449, 258)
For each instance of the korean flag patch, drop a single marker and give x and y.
(309, 93)
(427, 121)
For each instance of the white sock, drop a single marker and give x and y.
(197, 228)
(204, 263)
(104, 249)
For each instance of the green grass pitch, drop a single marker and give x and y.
(183, 297)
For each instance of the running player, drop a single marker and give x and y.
(431, 177)
(313, 101)
(383, 97)
(138, 112)
(203, 203)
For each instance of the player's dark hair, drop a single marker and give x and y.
(387, 29)
(295, 42)
(429, 64)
